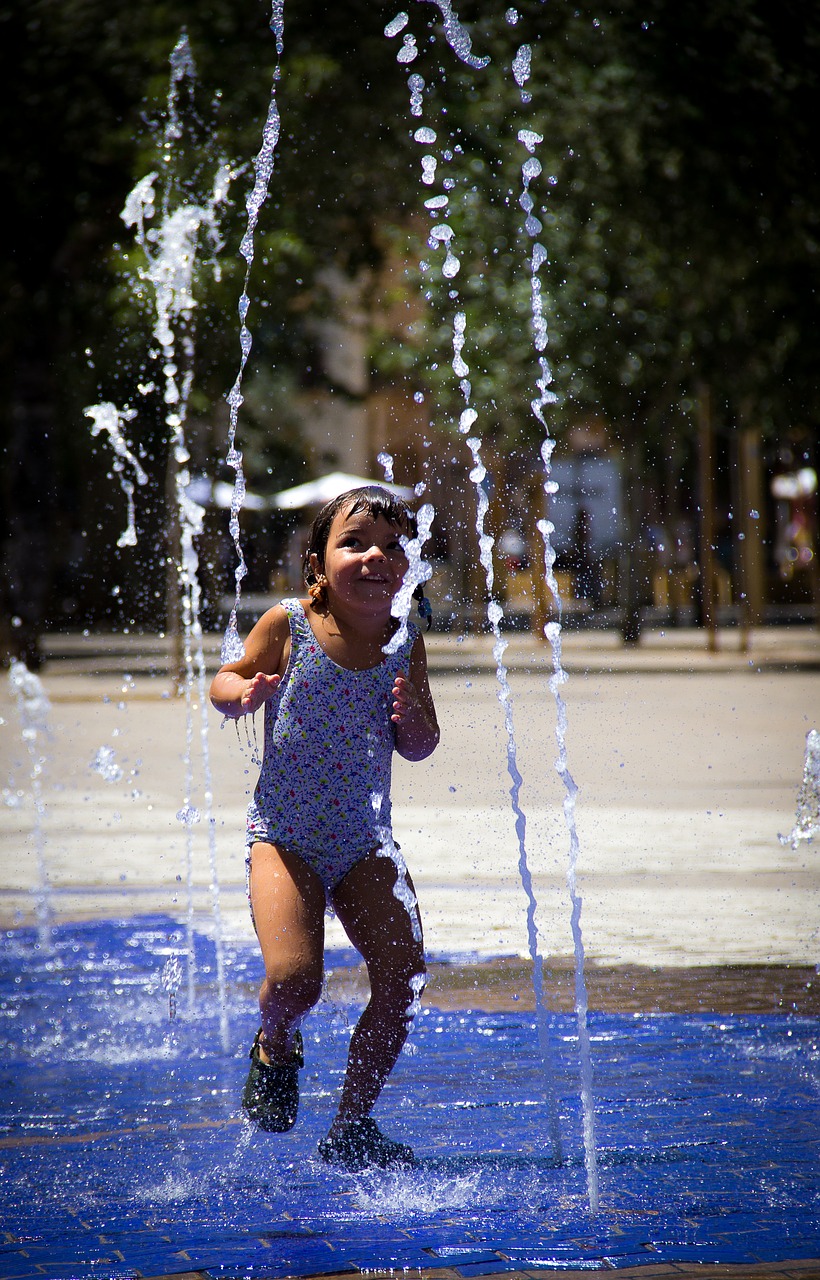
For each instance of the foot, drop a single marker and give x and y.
(271, 1094)
(361, 1145)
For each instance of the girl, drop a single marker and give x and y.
(319, 822)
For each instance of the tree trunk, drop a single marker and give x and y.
(631, 621)
(752, 525)
(706, 514)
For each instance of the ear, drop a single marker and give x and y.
(315, 563)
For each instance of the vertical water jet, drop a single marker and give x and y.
(34, 710)
(169, 262)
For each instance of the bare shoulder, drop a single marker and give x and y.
(267, 645)
(274, 621)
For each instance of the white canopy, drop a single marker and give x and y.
(220, 494)
(326, 488)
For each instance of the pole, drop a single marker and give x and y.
(706, 511)
(752, 523)
(630, 555)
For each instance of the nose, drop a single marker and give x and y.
(375, 552)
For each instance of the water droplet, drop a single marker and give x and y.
(105, 764)
(398, 24)
(408, 52)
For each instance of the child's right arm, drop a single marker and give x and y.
(239, 688)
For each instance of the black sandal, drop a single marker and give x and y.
(362, 1145)
(271, 1094)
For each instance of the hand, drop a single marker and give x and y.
(260, 689)
(405, 699)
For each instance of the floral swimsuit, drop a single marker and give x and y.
(324, 787)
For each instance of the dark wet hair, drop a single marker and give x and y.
(373, 499)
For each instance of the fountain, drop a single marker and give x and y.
(442, 234)
(34, 711)
(807, 819)
(170, 257)
(106, 1179)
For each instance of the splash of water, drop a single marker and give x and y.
(170, 251)
(195, 685)
(457, 36)
(105, 764)
(34, 709)
(401, 890)
(108, 418)
(807, 819)
(521, 71)
(418, 571)
(171, 978)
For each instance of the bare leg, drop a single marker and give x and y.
(381, 929)
(288, 902)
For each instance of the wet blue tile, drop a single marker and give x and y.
(546, 1250)
(620, 1261)
(483, 1268)
(16, 1267)
(80, 1253)
(703, 1253)
(465, 1253)
(731, 1186)
(155, 1262)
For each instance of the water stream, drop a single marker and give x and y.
(232, 647)
(442, 237)
(531, 169)
(170, 249)
(807, 818)
(34, 710)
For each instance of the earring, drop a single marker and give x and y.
(318, 589)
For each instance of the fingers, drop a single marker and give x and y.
(405, 698)
(259, 690)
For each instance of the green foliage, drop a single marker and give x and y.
(678, 200)
(679, 212)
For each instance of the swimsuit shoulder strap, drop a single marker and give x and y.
(299, 625)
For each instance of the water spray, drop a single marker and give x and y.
(35, 710)
(233, 650)
(170, 247)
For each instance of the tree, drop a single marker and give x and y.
(678, 198)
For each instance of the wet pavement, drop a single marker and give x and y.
(693, 911)
(124, 1154)
(687, 778)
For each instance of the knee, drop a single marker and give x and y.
(400, 989)
(295, 985)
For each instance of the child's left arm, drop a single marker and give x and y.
(415, 727)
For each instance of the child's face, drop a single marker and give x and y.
(364, 561)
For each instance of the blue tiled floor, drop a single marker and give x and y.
(122, 1152)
